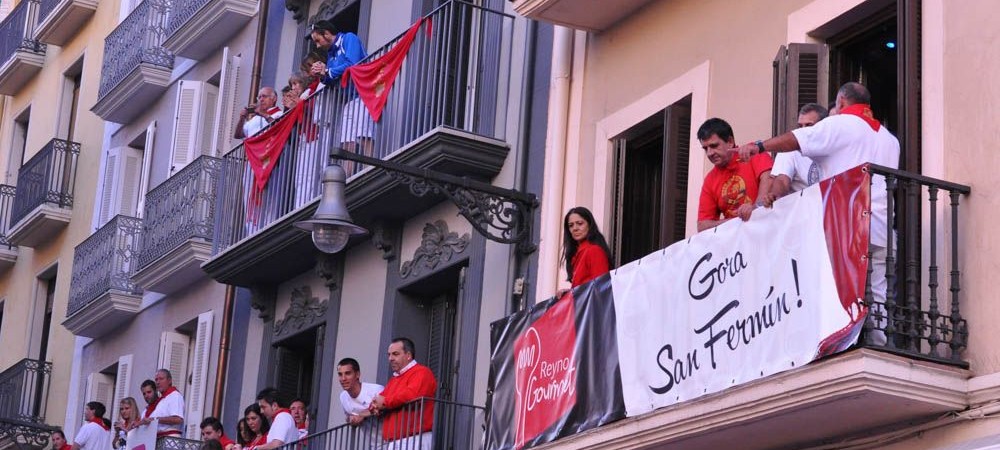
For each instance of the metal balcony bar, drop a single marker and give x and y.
(176, 443)
(457, 77)
(24, 391)
(6, 204)
(104, 262)
(454, 426)
(17, 31)
(930, 328)
(181, 208)
(137, 40)
(48, 177)
(45, 7)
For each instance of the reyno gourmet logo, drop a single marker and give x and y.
(545, 371)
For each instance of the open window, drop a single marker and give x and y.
(185, 353)
(194, 123)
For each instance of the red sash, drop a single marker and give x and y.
(100, 421)
(864, 112)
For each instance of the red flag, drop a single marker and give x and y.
(264, 149)
(374, 79)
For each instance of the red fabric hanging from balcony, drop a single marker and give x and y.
(264, 149)
(374, 79)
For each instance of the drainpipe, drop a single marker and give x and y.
(523, 141)
(224, 338)
(555, 163)
(258, 53)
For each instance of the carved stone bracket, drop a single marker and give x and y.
(304, 312)
(437, 245)
(262, 299)
(326, 268)
(382, 240)
(328, 9)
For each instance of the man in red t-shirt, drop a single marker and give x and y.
(732, 188)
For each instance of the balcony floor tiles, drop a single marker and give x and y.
(65, 21)
(40, 225)
(176, 269)
(834, 398)
(103, 314)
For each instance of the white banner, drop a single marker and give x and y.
(728, 306)
(142, 437)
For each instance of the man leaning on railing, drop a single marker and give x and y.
(408, 415)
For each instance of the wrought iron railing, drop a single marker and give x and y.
(6, 205)
(17, 31)
(913, 321)
(181, 208)
(454, 426)
(181, 11)
(457, 77)
(24, 390)
(48, 177)
(104, 262)
(176, 443)
(137, 40)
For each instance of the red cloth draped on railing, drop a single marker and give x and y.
(374, 79)
(264, 149)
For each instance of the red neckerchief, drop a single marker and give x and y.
(225, 441)
(100, 422)
(261, 440)
(152, 406)
(300, 425)
(864, 112)
(313, 86)
(273, 110)
(66, 447)
(284, 410)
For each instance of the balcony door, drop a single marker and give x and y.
(296, 369)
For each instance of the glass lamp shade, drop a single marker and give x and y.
(330, 238)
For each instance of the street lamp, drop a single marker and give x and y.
(331, 226)
(501, 215)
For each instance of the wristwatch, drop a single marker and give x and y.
(760, 146)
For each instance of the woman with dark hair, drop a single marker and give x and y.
(585, 250)
(258, 426)
(58, 439)
(243, 434)
(96, 433)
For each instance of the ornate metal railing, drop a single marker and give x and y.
(24, 390)
(104, 262)
(17, 31)
(181, 208)
(181, 11)
(454, 426)
(6, 206)
(457, 77)
(176, 443)
(48, 177)
(927, 327)
(137, 40)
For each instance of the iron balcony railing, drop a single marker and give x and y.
(24, 390)
(104, 262)
(137, 40)
(6, 206)
(916, 322)
(179, 209)
(176, 443)
(48, 177)
(454, 426)
(457, 77)
(17, 31)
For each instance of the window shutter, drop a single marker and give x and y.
(440, 345)
(677, 142)
(185, 142)
(207, 120)
(801, 75)
(199, 374)
(225, 112)
(108, 190)
(174, 355)
(123, 382)
(120, 193)
(288, 374)
(100, 388)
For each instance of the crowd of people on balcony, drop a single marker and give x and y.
(401, 413)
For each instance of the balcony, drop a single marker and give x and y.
(178, 225)
(136, 67)
(906, 368)
(24, 391)
(199, 27)
(21, 56)
(176, 443)
(102, 295)
(446, 112)
(454, 426)
(60, 20)
(589, 15)
(8, 251)
(44, 201)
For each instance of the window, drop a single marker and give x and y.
(194, 123)
(227, 81)
(123, 382)
(650, 206)
(1, 322)
(41, 318)
(70, 101)
(18, 145)
(185, 353)
(122, 177)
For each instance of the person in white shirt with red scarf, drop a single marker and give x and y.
(168, 408)
(283, 430)
(95, 434)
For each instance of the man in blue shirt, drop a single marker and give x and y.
(344, 49)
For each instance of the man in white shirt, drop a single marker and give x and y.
(95, 434)
(169, 408)
(356, 396)
(301, 416)
(791, 171)
(841, 142)
(283, 430)
(254, 118)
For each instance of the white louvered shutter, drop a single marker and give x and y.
(199, 373)
(185, 133)
(123, 382)
(122, 175)
(207, 119)
(174, 356)
(100, 388)
(107, 191)
(225, 112)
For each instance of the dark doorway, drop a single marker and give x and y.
(868, 55)
(296, 363)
